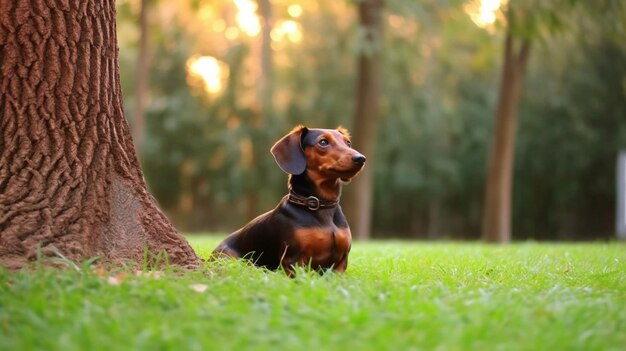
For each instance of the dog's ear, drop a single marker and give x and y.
(343, 131)
(288, 151)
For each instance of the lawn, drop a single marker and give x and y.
(394, 296)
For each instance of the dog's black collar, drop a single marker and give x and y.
(310, 202)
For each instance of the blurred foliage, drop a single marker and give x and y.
(206, 156)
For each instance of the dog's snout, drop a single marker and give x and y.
(358, 159)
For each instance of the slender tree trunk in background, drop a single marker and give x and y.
(69, 174)
(359, 197)
(496, 224)
(141, 80)
(436, 219)
(262, 56)
(266, 83)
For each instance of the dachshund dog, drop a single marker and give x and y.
(307, 228)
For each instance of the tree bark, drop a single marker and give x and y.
(141, 80)
(360, 194)
(69, 175)
(496, 223)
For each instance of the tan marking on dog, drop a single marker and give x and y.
(322, 248)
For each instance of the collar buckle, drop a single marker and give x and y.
(312, 203)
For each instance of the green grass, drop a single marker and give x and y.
(394, 296)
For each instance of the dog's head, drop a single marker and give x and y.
(328, 153)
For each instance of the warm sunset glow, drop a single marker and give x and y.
(231, 33)
(219, 25)
(246, 18)
(294, 10)
(485, 12)
(206, 13)
(287, 30)
(211, 71)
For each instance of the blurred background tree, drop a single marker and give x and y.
(523, 22)
(366, 113)
(228, 78)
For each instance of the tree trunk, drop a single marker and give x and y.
(69, 175)
(262, 56)
(436, 220)
(496, 226)
(359, 195)
(141, 80)
(266, 81)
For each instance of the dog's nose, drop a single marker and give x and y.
(358, 159)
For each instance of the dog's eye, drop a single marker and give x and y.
(349, 143)
(323, 143)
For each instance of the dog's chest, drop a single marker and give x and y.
(324, 245)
